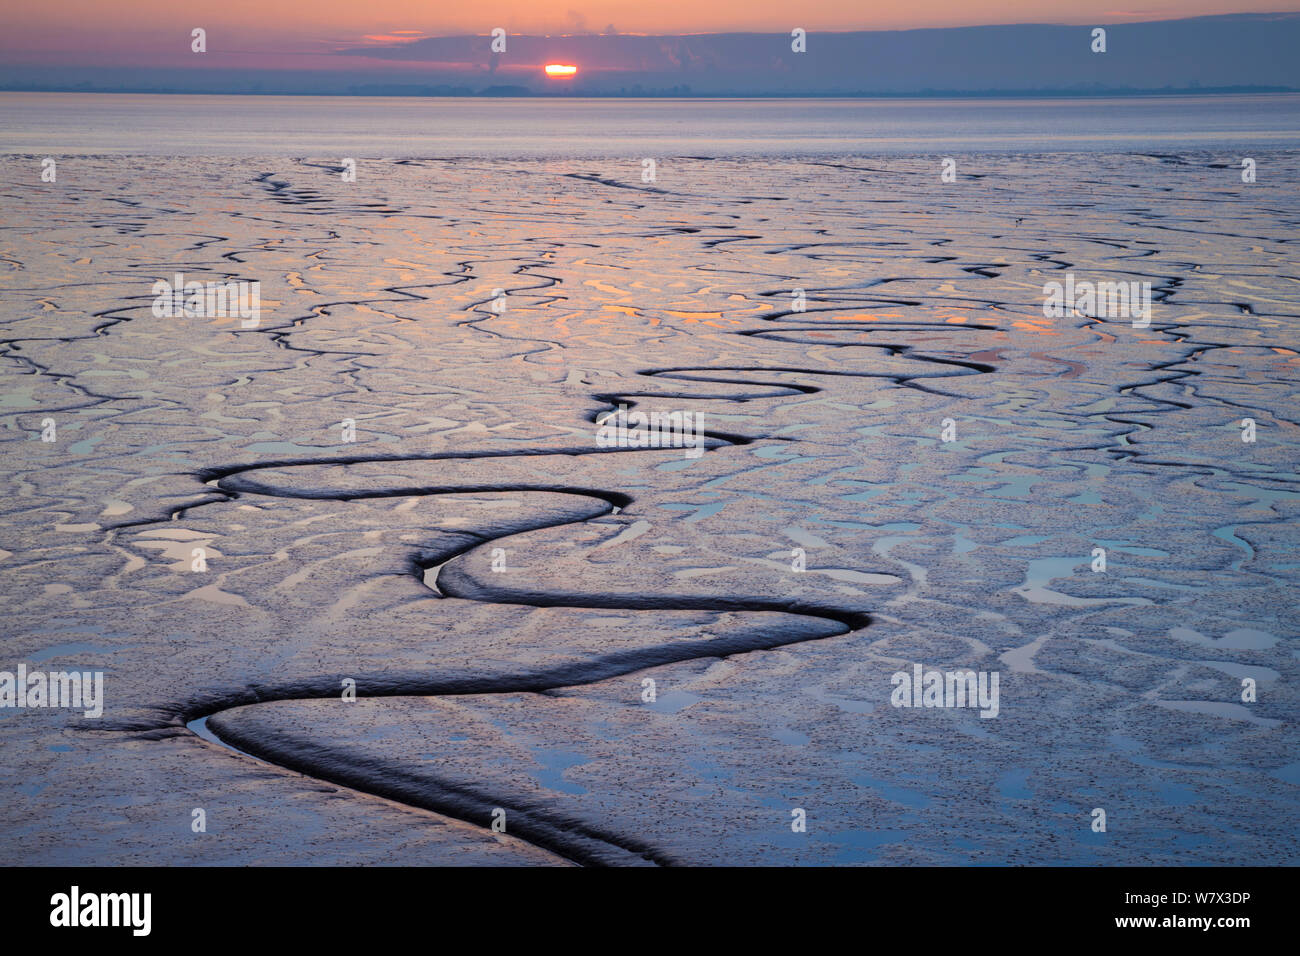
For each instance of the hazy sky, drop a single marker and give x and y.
(49, 36)
(316, 25)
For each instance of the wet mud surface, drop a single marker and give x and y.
(501, 587)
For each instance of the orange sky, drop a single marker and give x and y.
(303, 35)
(321, 21)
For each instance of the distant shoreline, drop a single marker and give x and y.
(525, 93)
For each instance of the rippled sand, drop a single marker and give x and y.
(514, 679)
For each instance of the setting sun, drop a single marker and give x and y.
(560, 69)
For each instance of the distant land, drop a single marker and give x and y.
(1238, 53)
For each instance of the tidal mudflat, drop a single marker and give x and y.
(390, 484)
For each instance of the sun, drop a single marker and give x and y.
(560, 70)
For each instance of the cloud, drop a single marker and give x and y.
(577, 22)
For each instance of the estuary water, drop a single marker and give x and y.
(99, 123)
